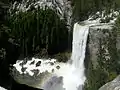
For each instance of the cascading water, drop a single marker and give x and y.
(73, 74)
(76, 78)
(80, 35)
(68, 76)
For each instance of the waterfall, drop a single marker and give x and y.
(76, 77)
(80, 34)
(69, 76)
(72, 74)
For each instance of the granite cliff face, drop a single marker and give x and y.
(98, 34)
(102, 57)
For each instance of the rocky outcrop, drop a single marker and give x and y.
(98, 34)
(113, 85)
(103, 63)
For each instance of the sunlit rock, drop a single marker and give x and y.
(113, 85)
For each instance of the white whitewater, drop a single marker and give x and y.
(80, 34)
(73, 75)
(69, 76)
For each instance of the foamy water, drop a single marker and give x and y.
(75, 77)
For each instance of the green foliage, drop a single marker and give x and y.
(96, 78)
(62, 57)
(117, 29)
(117, 25)
(38, 29)
(108, 58)
(113, 52)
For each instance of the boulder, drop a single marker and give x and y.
(113, 85)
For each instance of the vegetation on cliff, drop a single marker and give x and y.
(108, 66)
(39, 29)
(38, 32)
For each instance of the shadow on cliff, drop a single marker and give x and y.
(87, 57)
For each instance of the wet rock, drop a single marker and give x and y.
(51, 63)
(33, 62)
(58, 67)
(38, 63)
(23, 69)
(53, 70)
(23, 63)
